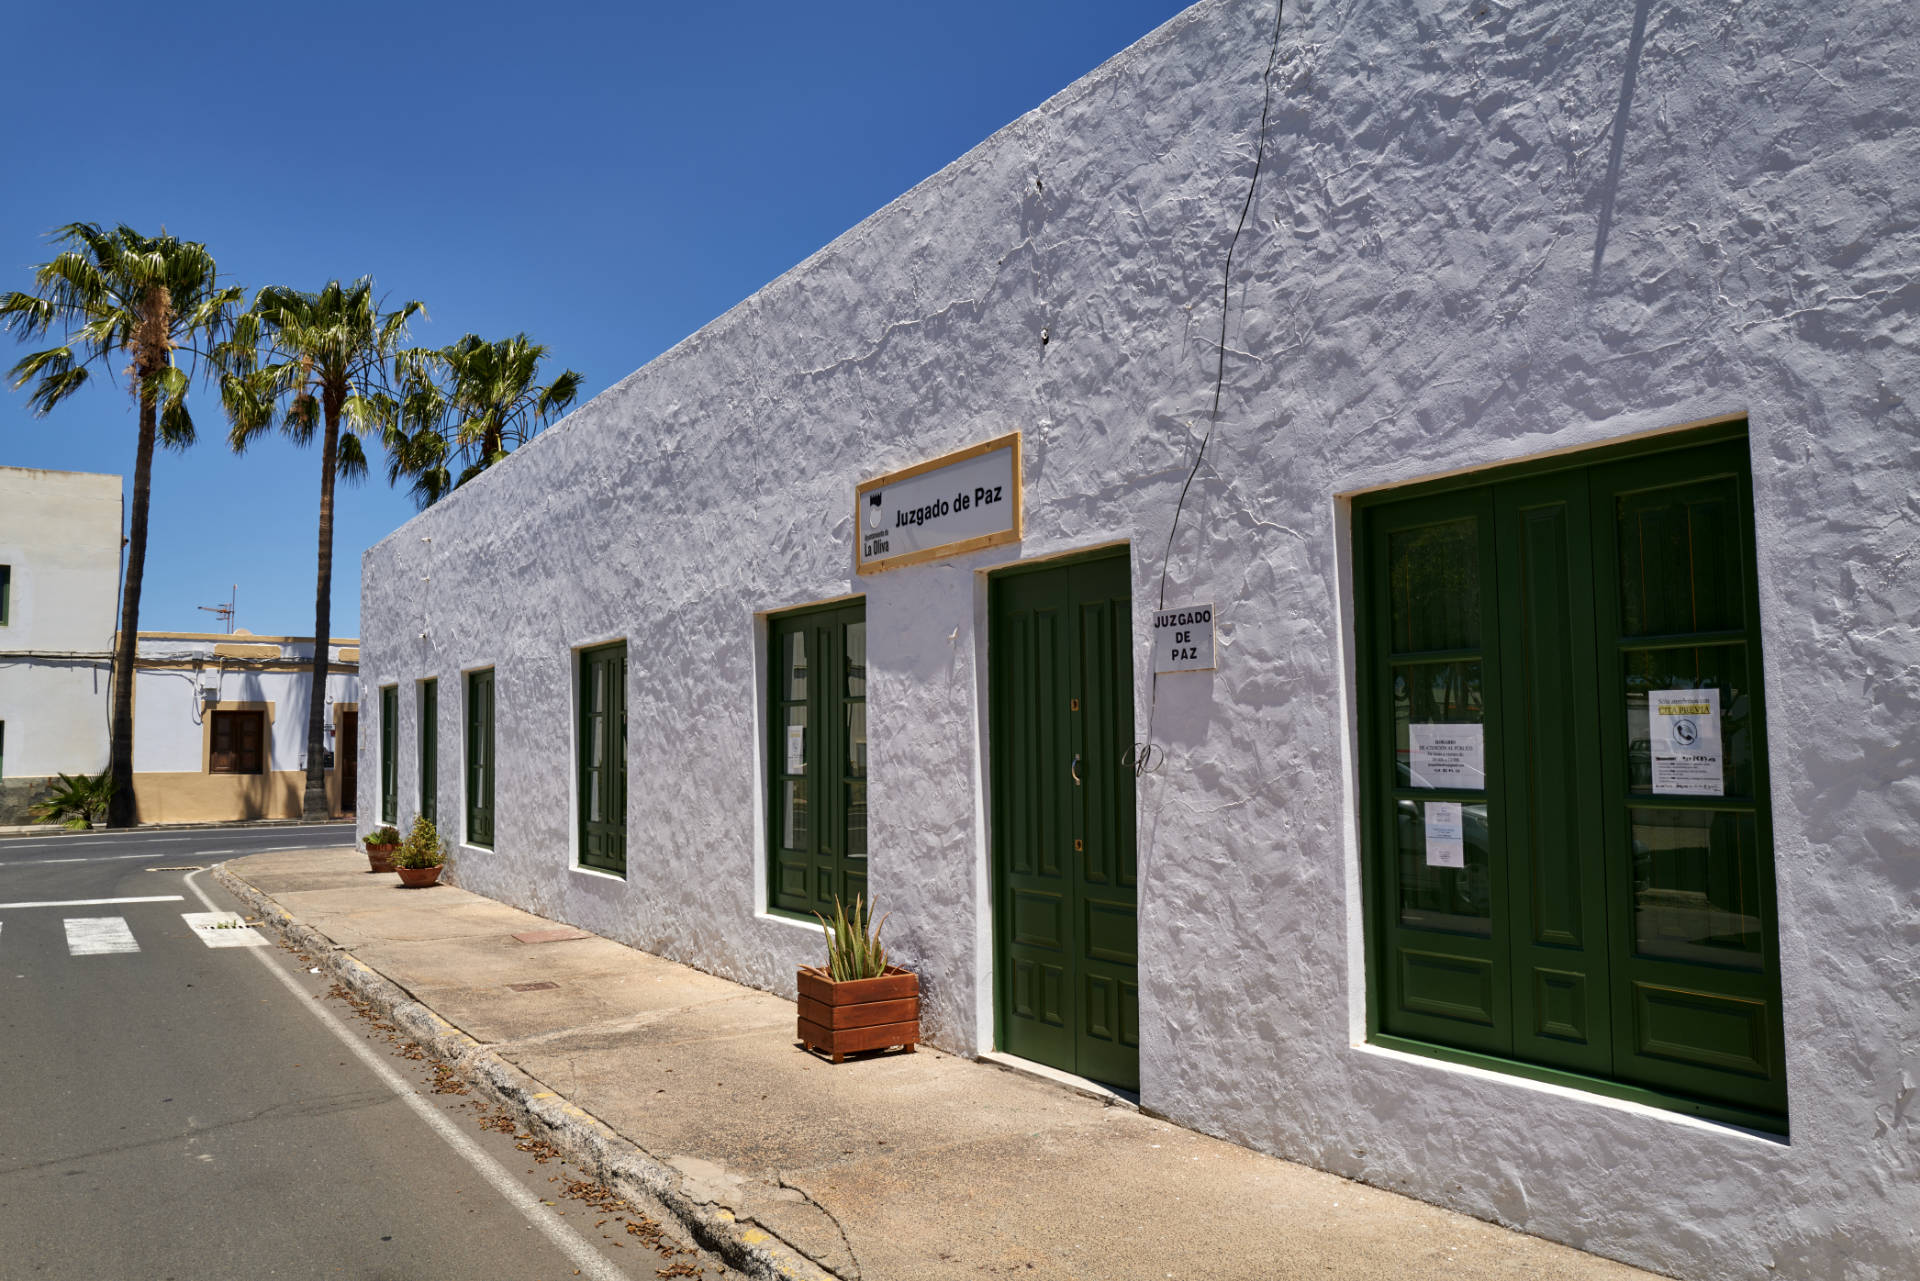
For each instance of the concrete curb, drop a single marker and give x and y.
(581, 1137)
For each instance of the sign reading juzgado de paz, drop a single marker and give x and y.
(1183, 639)
(946, 506)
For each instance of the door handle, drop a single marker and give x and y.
(1074, 769)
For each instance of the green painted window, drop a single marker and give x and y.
(1561, 874)
(430, 750)
(389, 744)
(602, 753)
(480, 758)
(6, 594)
(817, 757)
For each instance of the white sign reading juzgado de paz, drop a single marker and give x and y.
(1183, 639)
(1684, 726)
(947, 506)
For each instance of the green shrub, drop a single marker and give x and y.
(854, 950)
(75, 803)
(423, 846)
(383, 836)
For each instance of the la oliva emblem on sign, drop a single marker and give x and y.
(947, 506)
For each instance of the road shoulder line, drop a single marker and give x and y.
(581, 1137)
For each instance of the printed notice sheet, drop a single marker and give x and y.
(1446, 836)
(796, 749)
(1684, 725)
(1447, 755)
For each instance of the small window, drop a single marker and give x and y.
(603, 758)
(6, 594)
(389, 743)
(430, 750)
(239, 743)
(817, 758)
(480, 758)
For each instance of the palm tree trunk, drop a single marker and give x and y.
(120, 811)
(314, 804)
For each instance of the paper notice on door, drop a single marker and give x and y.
(1446, 835)
(1447, 756)
(1684, 726)
(796, 749)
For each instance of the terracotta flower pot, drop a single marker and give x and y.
(838, 1019)
(379, 858)
(418, 878)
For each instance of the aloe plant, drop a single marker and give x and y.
(854, 950)
(76, 802)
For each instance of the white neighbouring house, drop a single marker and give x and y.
(220, 725)
(1568, 364)
(59, 592)
(220, 728)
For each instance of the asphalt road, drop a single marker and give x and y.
(173, 1108)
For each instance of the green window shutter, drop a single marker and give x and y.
(817, 758)
(602, 758)
(6, 594)
(1586, 924)
(389, 743)
(430, 750)
(480, 758)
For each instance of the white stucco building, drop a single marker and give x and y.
(59, 585)
(220, 721)
(220, 725)
(1540, 841)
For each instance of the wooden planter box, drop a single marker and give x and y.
(838, 1019)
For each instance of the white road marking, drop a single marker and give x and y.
(590, 1262)
(98, 858)
(223, 929)
(99, 935)
(47, 842)
(97, 902)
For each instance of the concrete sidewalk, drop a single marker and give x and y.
(899, 1168)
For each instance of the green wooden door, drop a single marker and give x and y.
(1697, 1000)
(1547, 811)
(1060, 691)
(389, 748)
(603, 758)
(480, 758)
(817, 750)
(430, 751)
(1572, 914)
(1447, 973)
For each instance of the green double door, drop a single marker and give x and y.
(1060, 689)
(1549, 885)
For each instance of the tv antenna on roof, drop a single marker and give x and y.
(224, 612)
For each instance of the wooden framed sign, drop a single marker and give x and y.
(947, 506)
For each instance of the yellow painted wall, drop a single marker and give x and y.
(214, 798)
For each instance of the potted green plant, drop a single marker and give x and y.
(381, 842)
(421, 855)
(75, 802)
(857, 1001)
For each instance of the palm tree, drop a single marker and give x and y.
(150, 298)
(464, 406)
(315, 361)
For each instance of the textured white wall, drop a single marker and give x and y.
(60, 534)
(1484, 232)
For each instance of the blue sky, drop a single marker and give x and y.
(607, 178)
